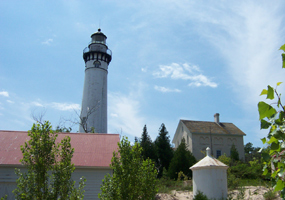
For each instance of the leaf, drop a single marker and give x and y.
(279, 83)
(279, 186)
(275, 146)
(270, 92)
(265, 110)
(265, 171)
(272, 139)
(263, 92)
(264, 124)
(280, 165)
(266, 156)
(282, 47)
(263, 141)
(283, 58)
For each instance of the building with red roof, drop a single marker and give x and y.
(92, 158)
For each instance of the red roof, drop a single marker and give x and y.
(90, 150)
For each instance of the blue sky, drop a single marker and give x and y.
(172, 59)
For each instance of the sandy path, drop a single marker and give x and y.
(250, 193)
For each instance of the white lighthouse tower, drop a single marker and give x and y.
(97, 57)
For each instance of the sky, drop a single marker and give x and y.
(171, 60)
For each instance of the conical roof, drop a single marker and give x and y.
(209, 162)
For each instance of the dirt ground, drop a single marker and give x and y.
(250, 193)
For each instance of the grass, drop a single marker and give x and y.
(166, 186)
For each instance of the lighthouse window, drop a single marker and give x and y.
(97, 64)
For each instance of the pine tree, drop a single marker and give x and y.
(182, 160)
(234, 153)
(147, 145)
(163, 149)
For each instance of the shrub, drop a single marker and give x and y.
(269, 195)
(133, 178)
(200, 196)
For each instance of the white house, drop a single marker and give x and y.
(92, 157)
(219, 136)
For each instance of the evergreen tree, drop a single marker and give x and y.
(163, 149)
(234, 153)
(182, 160)
(147, 145)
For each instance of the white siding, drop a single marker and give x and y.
(7, 181)
(93, 177)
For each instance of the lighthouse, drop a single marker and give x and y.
(97, 56)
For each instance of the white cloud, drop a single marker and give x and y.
(47, 41)
(248, 34)
(114, 115)
(184, 72)
(65, 106)
(125, 114)
(9, 101)
(164, 89)
(4, 93)
(144, 69)
(37, 104)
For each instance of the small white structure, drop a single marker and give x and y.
(210, 177)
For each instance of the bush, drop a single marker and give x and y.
(269, 195)
(200, 196)
(133, 178)
(224, 159)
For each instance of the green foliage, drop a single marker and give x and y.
(49, 167)
(133, 178)
(248, 148)
(182, 160)
(274, 119)
(4, 198)
(251, 153)
(270, 195)
(63, 129)
(233, 181)
(234, 153)
(224, 159)
(200, 196)
(163, 149)
(283, 55)
(148, 148)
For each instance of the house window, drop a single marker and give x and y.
(219, 153)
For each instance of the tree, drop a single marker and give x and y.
(148, 149)
(182, 160)
(251, 153)
(234, 153)
(274, 119)
(163, 149)
(133, 178)
(248, 148)
(49, 167)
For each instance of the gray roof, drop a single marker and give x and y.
(212, 127)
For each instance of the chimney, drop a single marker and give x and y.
(217, 118)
